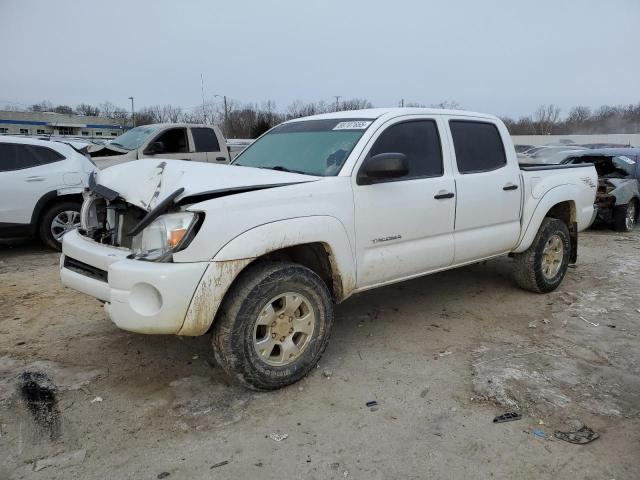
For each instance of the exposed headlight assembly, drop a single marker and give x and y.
(167, 234)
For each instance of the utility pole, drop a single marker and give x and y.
(133, 114)
(338, 97)
(226, 115)
(204, 113)
(402, 103)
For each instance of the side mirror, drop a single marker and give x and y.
(154, 148)
(383, 166)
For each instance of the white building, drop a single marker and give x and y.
(51, 123)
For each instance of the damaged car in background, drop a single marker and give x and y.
(618, 196)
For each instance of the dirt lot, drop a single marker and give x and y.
(442, 355)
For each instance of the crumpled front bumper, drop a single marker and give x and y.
(139, 296)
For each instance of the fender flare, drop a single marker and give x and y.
(559, 194)
(261, 240)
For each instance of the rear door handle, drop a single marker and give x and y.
(510, 186)
(443, 194)
(220, 159)
(34, 179)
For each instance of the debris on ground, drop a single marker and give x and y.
(590, 323)
(539, 433)
(163, 475)
(507, 417)
(327, 373)
(62, 460)
(219, 464)
(372, 405)
(97, 399)
(546, 321)
(278, 437)
(532, 325)
(444, 353)
(580, 436)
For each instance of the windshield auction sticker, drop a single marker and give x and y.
(357, 125)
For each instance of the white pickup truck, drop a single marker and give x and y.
(315, 210)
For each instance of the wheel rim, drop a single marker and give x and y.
(630, 219)
(63, 222)
(283, 329)
(552, 256)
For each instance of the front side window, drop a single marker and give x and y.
(15, 156)
(478, 146)
(419, 141)
(311, 147)
(205, 139)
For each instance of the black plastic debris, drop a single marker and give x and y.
(580, 436)
(219, 464)
(507, 417)
(372, 405)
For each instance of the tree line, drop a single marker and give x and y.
(249, 120)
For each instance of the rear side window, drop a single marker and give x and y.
(419, 141)
(205, 140)
(15, 156)
(478, 146)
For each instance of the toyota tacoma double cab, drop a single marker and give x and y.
(257, 253)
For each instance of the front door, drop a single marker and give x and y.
(405, 225)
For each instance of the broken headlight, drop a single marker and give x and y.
(166, 234)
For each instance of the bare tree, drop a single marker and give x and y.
(43, 106)
(546, 118)
(87, 110)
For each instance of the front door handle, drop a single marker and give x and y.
(510, 186)
(34, 179)
(443, 194)
(220, 159)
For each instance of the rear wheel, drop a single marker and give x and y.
(57, 220)
(544, 264)
(626, 216)
(273, 326)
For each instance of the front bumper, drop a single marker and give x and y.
(139, 296)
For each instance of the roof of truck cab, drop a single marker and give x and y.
(374, 113)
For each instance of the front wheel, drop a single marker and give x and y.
(544, 264)
(273, 326)
(57, 220)
(625, 216)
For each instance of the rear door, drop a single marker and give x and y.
(488, 190)
(405, 225)
(207, 144)
(27, 172)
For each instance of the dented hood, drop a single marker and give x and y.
(144, 183)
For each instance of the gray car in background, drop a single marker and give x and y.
(618, 196)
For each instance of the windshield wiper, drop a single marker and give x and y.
(119, 145)
(280, 168)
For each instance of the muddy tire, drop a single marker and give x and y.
(626, 216)
(273, 325)
(544, 264)
(57, 220)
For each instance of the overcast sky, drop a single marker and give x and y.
(499, 56)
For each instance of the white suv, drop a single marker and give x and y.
(41, 184)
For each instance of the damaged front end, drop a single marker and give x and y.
(152, 235)
(612, 193)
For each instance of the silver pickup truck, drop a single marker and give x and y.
(178, 141)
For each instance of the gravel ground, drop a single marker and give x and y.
(441, 355)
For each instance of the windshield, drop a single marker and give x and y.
(134, 137)
(312, 147)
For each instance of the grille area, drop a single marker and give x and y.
(85, 269)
